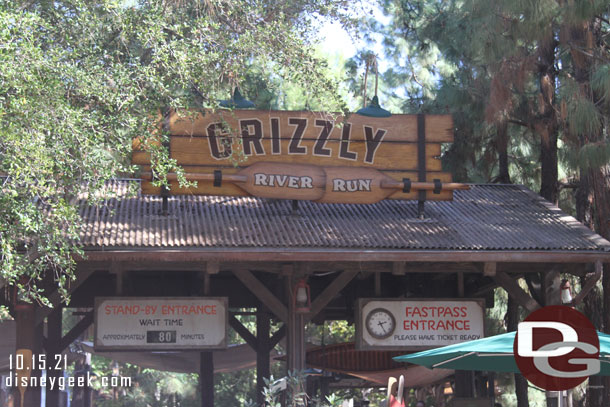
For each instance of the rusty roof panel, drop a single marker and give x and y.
(486, 217)
(345, 357)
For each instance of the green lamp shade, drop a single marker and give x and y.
(374, 110)
(237, 102)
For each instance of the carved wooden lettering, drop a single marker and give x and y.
(304, 155)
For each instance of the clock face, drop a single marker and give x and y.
(380, 323)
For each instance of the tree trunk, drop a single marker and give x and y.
(546, 123)
(593, 302)
(601, 196)
(502, 148)
(583, 40)
(548, 159)
(512, 320)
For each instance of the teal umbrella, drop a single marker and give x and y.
(494, 354)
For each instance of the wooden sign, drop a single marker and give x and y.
(307, 144)
(313, 183)
(168, 323)
(417, 324)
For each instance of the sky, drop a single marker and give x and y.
(336, 40)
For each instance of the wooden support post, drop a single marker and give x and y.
(551, 287)
(377, 284)
(324, 381)
(296, 333)
(28, 336)
(491, 386)
(464, 380)
(206, 379)
(263, 367)
(117, 270)
(53, 348)
(460, 284)
(464, 383)
(206, 359)
(512, 321)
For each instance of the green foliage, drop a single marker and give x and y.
(484, 62)
(600, 82)
(149, 387)
(583, 117)
(291, 390)
(81, 79)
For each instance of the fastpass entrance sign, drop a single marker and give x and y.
(417, 324)
(306, 155)
(164, 323)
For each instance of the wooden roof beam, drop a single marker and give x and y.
(240, 254)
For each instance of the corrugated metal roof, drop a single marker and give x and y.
(486, 217)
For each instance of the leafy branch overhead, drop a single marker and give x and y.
(81, 79)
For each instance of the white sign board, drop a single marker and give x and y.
(418, 323)
(160, 323)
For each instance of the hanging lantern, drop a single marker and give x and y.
(237, 102)
(301, 298)
(566, 292)
(373, 109)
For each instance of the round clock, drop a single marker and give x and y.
(380, 323)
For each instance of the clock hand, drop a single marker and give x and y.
(381, 325)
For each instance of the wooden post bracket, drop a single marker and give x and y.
(277, 336)
(329, 293)
(55, 297)
(514, 290)
(244, 332)
(74, 333)
(71, 336)
(262, 293)
(252, 340)
(590, 283)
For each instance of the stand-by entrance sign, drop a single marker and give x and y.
(306, 155)
(164, 323)
(417, 324)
